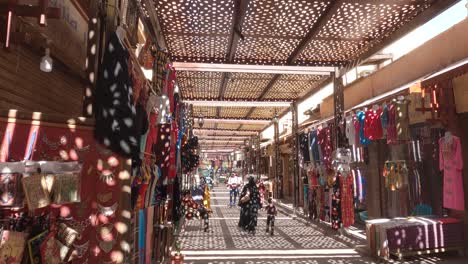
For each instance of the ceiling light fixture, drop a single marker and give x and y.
(47, 63)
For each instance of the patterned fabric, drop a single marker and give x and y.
(115, 125)
(304, 146)
(347, 208)
(336, 204)
(373, 125)
(249, 210)
(325, 142)
(362, 137)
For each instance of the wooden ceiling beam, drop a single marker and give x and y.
(313, 32)
(240, 10)
(203, 131)
(270, 84)
(154, 22)
(238, 103)
(228, 68)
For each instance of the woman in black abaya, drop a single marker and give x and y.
(250, 204)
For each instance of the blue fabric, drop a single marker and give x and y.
(141, 236)
(361, 117)
(314, 145)
(384, 117)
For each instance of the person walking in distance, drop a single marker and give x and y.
(271, 214)
(233, 185)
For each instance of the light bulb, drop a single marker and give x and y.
(46, 62)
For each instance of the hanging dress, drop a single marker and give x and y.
(451, 163)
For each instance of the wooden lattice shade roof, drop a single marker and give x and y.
(281, 32)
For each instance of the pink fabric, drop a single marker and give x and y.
(451, 162)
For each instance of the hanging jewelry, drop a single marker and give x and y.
(50, 144)
(105, 237)
(107, 176)
(108, 210)
(104, 197)
(81, 249)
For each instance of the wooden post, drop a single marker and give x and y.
(338, 102)
(277, 161)
(295, 125)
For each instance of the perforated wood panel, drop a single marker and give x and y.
(228, 126)
(246, 85)
(205, 126)
(234, 112)
(197, 48)
(205, 111)
(291, 86)
(358, 25)
(272, 32)
(265, 50)
(199, 85)
(200, 30)
(273, 29)
(266, 113)
(252, 127)
(196, 30)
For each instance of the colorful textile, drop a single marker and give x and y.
(347, 208)
(325, 142)
(451, 162)
(152, 134)
(336, 219)
(372, 124)
(362, 137)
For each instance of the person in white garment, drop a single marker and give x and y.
(233, 184)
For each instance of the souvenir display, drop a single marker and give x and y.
(12, 246)
(52, 251)
(35, 189)
(11, 191)
(34, 247)
(66, 188)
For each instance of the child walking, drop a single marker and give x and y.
(271, 213)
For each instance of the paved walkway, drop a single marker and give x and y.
(294, 242)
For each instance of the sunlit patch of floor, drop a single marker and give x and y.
(294, 242)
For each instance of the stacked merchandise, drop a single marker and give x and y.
(399, 236)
